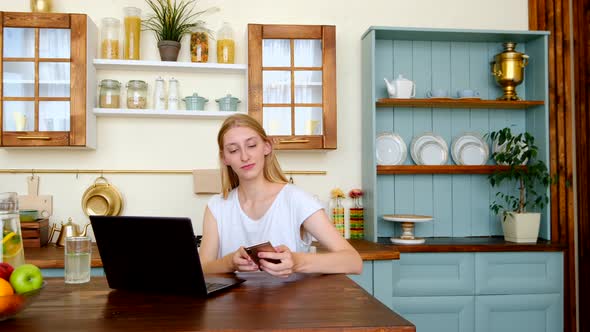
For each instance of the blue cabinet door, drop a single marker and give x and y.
(365, 279)
(437, 314)
(519, 313)
(518, 273)
(432, 274)
(94, 272)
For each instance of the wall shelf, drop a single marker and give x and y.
(150, 113)
(146, 65)
(457, 103)
(438, 169)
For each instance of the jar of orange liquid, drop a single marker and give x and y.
(132, 33)
(225, 44)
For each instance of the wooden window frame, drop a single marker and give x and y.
(327, 34)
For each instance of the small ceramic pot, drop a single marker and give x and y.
(228, 103)
(195, 102)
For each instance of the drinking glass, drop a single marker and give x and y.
(77, 260)
(11, 248)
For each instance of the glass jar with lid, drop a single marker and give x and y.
(136, 94)
(110, 94)
(199, 45)
(109, 38)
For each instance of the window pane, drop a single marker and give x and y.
(18, 115)
(276, 53)
(308, 121)
(19, 79)
(308, 53)
(277, 87)
(19, 42)
(276, 120)
(54, 43)
(54, 79)
(308, 87)
(54, 116)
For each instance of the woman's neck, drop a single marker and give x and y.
(257, 189)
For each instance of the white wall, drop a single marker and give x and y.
(189, 144)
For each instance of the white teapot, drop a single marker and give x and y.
(401, 87)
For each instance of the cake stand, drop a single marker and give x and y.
(407, 221)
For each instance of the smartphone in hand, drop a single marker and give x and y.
(253, 251)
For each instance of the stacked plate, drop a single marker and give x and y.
(391, 149)
(429, 149)
(470, 149)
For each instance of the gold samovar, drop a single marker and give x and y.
(41, 6)
(508, 69)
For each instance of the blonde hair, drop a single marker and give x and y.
(272, 170)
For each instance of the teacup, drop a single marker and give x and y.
(437, 93)
(467, 93)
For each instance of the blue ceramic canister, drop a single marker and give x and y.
(228, 103)
(195, 102)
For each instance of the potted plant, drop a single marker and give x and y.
(532, 179)
(170, 21)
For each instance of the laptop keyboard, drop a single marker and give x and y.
(212, 286)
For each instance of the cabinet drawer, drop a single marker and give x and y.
(518, 273)
(519, 313)
(437, 314)
(433, 274)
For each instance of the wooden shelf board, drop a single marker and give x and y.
(150, 113)
(457, 103)
(146, 65)
(442, 169)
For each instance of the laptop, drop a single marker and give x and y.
(154, 254)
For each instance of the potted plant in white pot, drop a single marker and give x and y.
(170, 21)
(532, 179)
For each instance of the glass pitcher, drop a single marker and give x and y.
(11, 250)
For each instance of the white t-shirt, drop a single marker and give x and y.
(280, 224)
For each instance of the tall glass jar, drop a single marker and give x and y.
(136, 94)
(225, 44)
(109, 38)
(110, 94)
(11, 242)
(199, 45)
(132, 33)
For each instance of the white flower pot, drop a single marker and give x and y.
(521, 227)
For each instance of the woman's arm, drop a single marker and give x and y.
(209, 248)
(341, 258)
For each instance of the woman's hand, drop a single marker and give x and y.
(243, 262)
(282, 269)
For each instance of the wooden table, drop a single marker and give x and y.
(322, 303)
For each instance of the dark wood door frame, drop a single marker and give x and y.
(569, 47)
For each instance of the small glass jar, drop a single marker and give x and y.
(110, 94)
(136, 94)
(109, 38)
(199, 45)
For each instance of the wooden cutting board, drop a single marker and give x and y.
(32, 201)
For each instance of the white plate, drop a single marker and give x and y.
(473, 154)
(390, 149)
(429, 149)
(474, 138)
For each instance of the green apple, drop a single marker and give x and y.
(26, 278)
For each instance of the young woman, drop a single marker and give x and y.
(257, 204)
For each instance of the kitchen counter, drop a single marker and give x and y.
(52, 257)
(320, 303)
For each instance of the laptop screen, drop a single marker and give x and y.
(149, 253)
